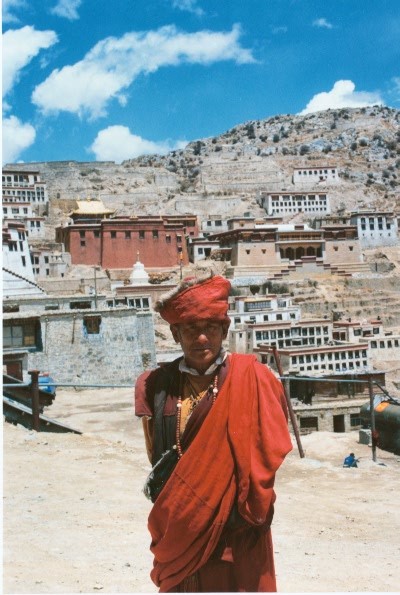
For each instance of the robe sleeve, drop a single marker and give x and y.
(148, 426)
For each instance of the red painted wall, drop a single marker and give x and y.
(120, 241)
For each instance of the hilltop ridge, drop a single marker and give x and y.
(223, 174)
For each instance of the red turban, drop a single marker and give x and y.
(196, 299)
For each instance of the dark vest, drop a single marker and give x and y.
(168, 387)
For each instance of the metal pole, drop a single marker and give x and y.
(372, 410)
(289, 403)
(34, 374)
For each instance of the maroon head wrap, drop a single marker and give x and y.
(196, 299)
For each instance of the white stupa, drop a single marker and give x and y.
(139, 275)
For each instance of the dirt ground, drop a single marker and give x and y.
(74, 516)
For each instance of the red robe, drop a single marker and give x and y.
(234, 457)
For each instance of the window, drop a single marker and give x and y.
(310, 423)
(155, 234)
(96, 234)
(141, 234)
(80, 305)
(83, 243)
(92, 324)
(23, 261)
(46, 259)
(168, 240)
(355, 420)
(24, 333)
(81, 234)
(127, 235)
(113, 235)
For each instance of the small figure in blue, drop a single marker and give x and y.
(350, 461)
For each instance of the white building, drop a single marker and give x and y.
(214, 224)
(319, 360)
(50, 261)
(383, 344)
(25, 186)
(376, 228)
(261, 308)
(288, 203)
(315, 175)
(16, 255)
(282, 334)
(201, 248)
(22, 210)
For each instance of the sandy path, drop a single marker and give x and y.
(75, 517)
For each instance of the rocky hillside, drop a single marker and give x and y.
(222, 175)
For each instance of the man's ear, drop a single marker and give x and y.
(175, 332)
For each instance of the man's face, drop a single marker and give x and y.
(200, 341)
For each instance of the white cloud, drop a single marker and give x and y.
(17, 137)
(322, 24)
(117, 143)
(342, 94)
(189, 6)
(67, 9)
(20, 46)
(8, 8)
(111, 66)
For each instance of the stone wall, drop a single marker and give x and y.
(325, 413)
(254, 253)
(122, 349)
(338, 252)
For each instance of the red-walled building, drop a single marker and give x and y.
(114, 243)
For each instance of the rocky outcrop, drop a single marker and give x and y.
(222, 175)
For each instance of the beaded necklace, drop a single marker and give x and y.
(178, 446)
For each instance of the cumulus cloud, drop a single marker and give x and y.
(342, 94)
(17, 137)
(110, 67)
(117, 143)
(67, 9)
(20, 46)
(189, 6)
(8, 8)
(322, 24)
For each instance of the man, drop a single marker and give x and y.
(350, 461)
(225, 417)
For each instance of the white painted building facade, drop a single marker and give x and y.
(290, 203)
(376, 228)
(25, 186)
(315, 175)
(262, 308)
(320, 360)
(16, 254)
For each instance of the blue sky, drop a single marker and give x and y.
(99, 80)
